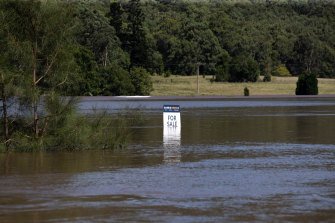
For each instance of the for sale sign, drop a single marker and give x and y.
(171, 133)
(171, 116)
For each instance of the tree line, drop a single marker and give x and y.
(237, 41)
(112, 48)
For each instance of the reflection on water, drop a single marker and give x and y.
(171, 144)
(235, 164)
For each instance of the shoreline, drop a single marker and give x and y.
(198, 97)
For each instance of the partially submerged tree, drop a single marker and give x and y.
(9, 73)
(4, 82)
(43, 28)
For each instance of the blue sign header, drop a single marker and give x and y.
(171, 108)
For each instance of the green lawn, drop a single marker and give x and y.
(187, 86)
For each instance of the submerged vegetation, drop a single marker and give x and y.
(61, 128)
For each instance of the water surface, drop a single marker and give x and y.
(235, 160)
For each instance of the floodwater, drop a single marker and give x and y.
(235, 160)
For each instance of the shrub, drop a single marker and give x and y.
(281, 70)
(223, 66)
(246, 91)
(221, 74)
(97, 131)
(267, 78)
(141, 80)
(244, 69)
(3, 147)
(62, 129)
(167, 73)
(307, 84)
(116, 81)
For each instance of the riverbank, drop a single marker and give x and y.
(187, 86)
(198, 97)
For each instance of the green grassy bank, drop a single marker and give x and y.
(187, 86)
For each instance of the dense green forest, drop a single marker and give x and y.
(112, 47)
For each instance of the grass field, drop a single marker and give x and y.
(187, 86)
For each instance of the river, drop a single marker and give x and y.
(235, 160)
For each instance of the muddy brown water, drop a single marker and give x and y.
(236, 160)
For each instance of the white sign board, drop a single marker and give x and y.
(171, 116)
(171, 133)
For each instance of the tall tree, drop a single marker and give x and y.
(9, 71)
(95, 33)
(138, 42)
(115, 15)
(128, 21)
(4, 82)
(44, 27)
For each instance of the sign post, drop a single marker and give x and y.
(171, 133)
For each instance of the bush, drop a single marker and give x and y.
(116, 81)
(221, 74)
(281, 70)
(307, 84)
(3, 147)
(141, 80)
(223, 66)
(244, 69)
(62, 129)
(167, 73)
(267, 78)
(246, 91)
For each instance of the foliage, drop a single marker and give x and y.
(116, 81)
(281, 70)
(88, 82)
(222, 72)
(167, 73)
(307, 84)
(164, 36)
(267, 78)
(7, 77)
(95, 33)
(40, 58)
(246, 91)
(141, 80)
(128, 23)
(43, 33)
(62, 129)
(244, 69)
